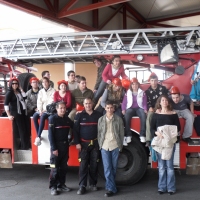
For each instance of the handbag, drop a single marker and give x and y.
(51, 108)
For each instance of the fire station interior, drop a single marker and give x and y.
(89, 16)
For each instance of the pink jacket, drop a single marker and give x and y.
(107, 73)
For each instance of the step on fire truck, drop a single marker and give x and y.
(174, 50)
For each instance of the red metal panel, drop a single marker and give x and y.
(6, 135)
(34, 148)
(73, 156)
(90, 7)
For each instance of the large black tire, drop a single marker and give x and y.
(132, 163)
(24, 79)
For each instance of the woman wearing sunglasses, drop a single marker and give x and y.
(16, 110)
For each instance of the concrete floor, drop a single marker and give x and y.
(29, 182)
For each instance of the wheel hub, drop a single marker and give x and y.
(122, 160)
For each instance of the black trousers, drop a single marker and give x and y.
(20, 128)
(88, 157)
(58, 173)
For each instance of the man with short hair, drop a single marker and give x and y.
(110, 138)
(180, 103)
(85, 138)
(100, 67)
(47, 75)
(78, 95)
(59, 125)
(72, 84)
(153, 92)
(32, 95)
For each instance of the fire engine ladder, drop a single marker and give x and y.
(83, 46)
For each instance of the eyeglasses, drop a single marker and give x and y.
(14, 83)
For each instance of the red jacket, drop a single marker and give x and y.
(107, 73)
(67, 98)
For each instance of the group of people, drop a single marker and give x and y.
(107, 128)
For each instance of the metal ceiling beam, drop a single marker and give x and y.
(124, 18)
(56, 5)
(95, 14)
(161, 25)
(49, 5)
(68, 5)
(173, 17)
(35, 10)
(135, 13)
(109, 18)
(90, 7)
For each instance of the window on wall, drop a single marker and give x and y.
(142, 74)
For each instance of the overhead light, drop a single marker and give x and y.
(139, 57)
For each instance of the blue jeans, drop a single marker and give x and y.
(110, 159)
(39, 127)
(130, 112)
(166, 180)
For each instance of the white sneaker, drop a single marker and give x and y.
(128, 139)
(37, 141)
(142, 139)
(124, 142)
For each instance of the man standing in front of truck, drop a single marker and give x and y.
(85, 138)
(153, 92)
(59, 126)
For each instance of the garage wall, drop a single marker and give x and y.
(57, 72)
(89, 71)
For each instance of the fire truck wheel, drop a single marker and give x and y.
(24, 80)
(132, 163)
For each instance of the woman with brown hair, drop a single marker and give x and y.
(114, 93)
(165, 116)
(16, 110)
(111, 71)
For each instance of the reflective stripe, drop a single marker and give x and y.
(89, 123)
(62, 127)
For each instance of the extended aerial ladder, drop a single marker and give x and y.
(83, 46)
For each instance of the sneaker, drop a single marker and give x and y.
(53, 191)
(124, 142)
(82, 190)
(142, 139)
(93, 187)
(128, 139)
(63, 188)
(108, 194)
(37, 141)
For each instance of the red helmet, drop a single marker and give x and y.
(33, 79)
(117, 82)
(79, 107)
(126, 83)
(62, 81)
(134, 80)
(152, 76)
(175, 90)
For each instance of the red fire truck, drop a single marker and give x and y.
(173, 50)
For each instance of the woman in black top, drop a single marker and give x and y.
(15, 108)
(165, 116)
